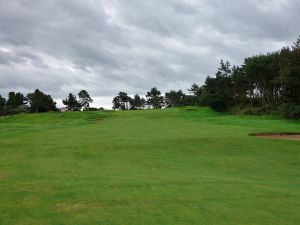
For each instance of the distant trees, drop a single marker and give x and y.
(15, 100)
(34, 102)
(2, 103)
(84, 99)
(195, 90)
(296, 44)
(121, 101)
(193, 98)
(72, 103)
(264, 84)
(217, 92)
(40, 102)
(2, 106)
(124, 102)
(154, 98)
(174, 98)
(16, 103)
(137, 102)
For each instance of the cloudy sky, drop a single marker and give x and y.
(107, 46)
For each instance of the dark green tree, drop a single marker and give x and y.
(189, 100)
(195, 90)
(2, 103)
(15, 101)
(154, 98)
(291, 78)
(241, 86)
(224, 70)
(121, 101)
(40, 102)
(218, 92)
(71, 103)
(137, 102)
(296, 44)
(3, 111)
(263, 70)
(84, 99)
(116, 103)
(174, 98)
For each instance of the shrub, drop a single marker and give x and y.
(290, 111)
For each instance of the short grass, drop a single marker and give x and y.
(176, 166)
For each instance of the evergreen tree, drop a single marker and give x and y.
(218, 92)
(15, 100)
(3, 111)
(84, 99)
(154, 98)
(195, 90)
(174, 98)
(121, 101)
(72, 103)
(40, 102)
(2, 103)
(137, 102)
(297, 44)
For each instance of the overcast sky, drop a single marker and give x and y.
(107, 46)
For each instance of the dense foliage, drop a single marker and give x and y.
(264, 84)
(33, 102)
(82, 103)
(40, 102)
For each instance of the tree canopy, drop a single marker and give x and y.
(154, 98)
(72, 103)
(174, 98)
(84, 99)
(137, 102)
(121, 101)
(40, 102)
(15, 100)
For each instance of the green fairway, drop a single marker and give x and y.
(174, 166)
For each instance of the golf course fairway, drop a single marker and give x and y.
(181, 166)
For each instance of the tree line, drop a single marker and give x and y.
(154, 100)
(33, 102)
(263, 84)
(38, 102)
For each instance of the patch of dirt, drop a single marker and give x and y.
(284, 136)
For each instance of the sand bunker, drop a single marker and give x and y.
(286, 136)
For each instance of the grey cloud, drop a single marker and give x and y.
(62, 46)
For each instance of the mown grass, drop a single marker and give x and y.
(177, 166)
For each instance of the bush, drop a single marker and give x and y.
(290, 111)
(93, 109)
(3, 112)
(18, 110)
(248, 110)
